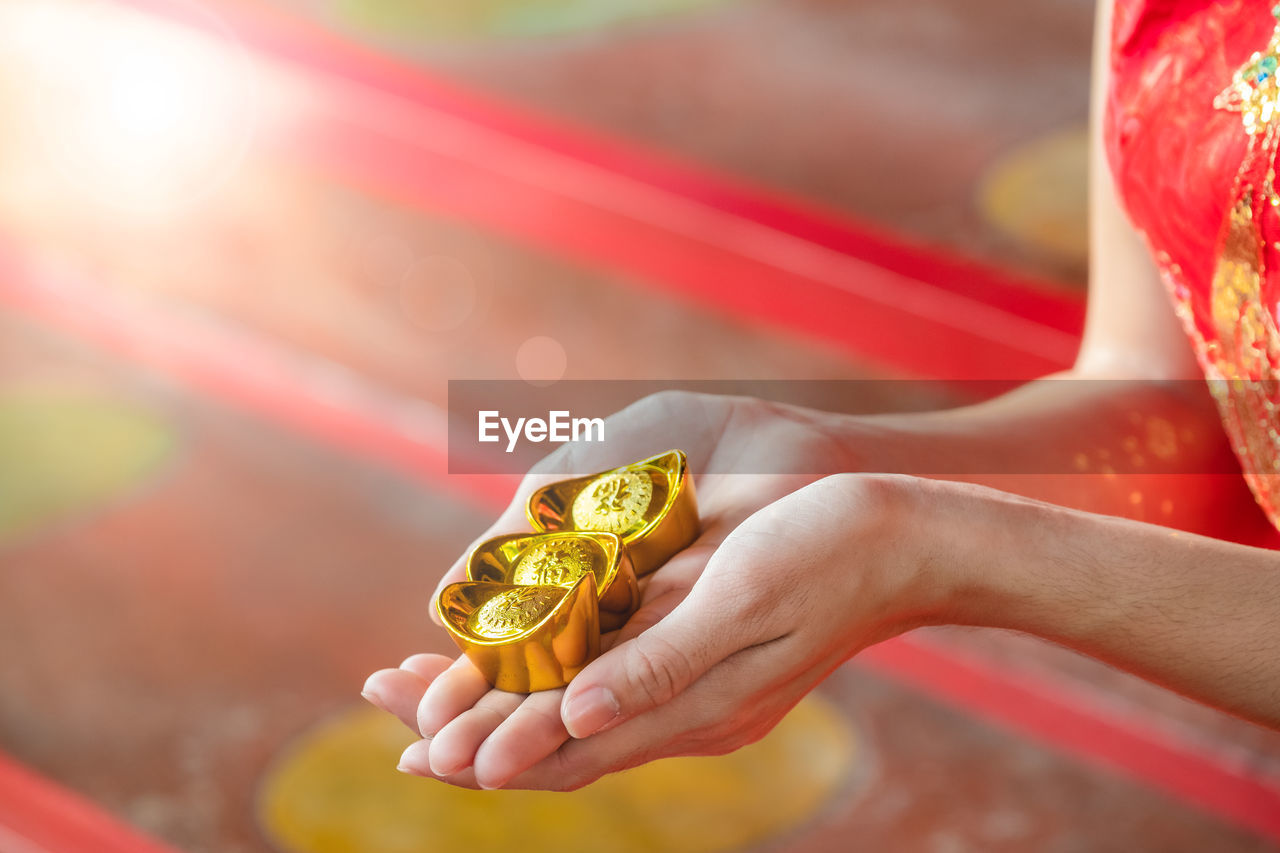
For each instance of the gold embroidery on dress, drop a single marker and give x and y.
(1242, 361)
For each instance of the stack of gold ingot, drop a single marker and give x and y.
(531, 611)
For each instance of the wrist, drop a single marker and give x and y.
(904, 569)
(1001, 557)
(959, 554)
(935, 530)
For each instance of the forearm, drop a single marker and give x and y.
(1143, 450)
(1198, 615)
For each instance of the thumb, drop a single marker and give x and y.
(652, 668)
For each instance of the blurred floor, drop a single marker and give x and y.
(225, 584)
(898, 114)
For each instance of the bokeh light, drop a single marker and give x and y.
(541, 360)
(124, 111)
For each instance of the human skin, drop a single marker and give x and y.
(794, 573)
(840, 564)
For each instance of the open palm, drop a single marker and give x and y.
(477, 736)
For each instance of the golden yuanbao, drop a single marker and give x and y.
(530, 614)
(559, 560)
(650, 504)
(524, 638)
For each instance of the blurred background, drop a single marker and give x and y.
(244, 245)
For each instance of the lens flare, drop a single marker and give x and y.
(130, 113)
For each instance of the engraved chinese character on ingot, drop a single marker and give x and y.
(511, 611)
(556, 563)
(615, 503)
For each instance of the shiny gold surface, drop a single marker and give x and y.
(554, 563)
(615, 503)
(560, 560)
(650, 503)
(522, 638)
(531, 611)
(512, 612)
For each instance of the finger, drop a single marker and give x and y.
(658, 734)
(532, 732)
(429, 667)
(397, 692)
(454, 747)
(655, 666)
(713, 716)
(455, 690)
(536, 730)
(415, 762)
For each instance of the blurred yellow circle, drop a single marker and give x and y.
(336, 790)
(432, 20)
(64, 450)
(1038, 194)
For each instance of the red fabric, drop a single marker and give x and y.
(1174, 156)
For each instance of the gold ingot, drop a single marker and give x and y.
(560, 559)
(524, 638)
(650, 504)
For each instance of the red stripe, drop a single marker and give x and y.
(1076, 722)
(733, 266)
(282, 387)
(713, 240)
(37, 816)
(307, 396)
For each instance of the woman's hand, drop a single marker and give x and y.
(725, 645)
(503, 734)
(474, 735)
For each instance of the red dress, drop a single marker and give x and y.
(1192, 130)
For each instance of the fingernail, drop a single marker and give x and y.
(428, 731)
(591, 712)
(374, 699)
(415, 760)
(441, 769)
